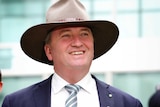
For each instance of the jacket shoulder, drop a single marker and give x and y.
(29, 90)
(25, 95)
(115, 96)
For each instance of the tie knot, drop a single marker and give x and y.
(71, 88)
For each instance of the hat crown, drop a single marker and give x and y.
(66, 11)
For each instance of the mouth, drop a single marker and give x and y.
(77, 52)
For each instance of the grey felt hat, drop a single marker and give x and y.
(68, 13)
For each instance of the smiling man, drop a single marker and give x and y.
(70, 42)
(72, 51)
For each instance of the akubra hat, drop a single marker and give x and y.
(68, 13)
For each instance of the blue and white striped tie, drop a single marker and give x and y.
(72, 99)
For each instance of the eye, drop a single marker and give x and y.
(65, 35)
(84, 33)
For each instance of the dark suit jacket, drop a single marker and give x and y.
(39, 95)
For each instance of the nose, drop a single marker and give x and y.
(77, 42)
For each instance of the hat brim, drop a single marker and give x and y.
(105, 35)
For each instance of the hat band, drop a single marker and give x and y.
(70, 20)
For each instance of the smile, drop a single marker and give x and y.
(77, 53)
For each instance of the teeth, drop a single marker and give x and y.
(77, 53)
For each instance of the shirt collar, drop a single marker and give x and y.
(87, 83)
(58, 83)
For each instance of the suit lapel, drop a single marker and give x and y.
(105, 96)
(42, 94)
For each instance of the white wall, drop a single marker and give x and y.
(131, 54)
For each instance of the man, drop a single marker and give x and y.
(69, 41)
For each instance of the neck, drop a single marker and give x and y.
(72, 76)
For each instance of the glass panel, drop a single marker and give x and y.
(5, 58)
(35, 8)
(14, 8)
(103, 16)
(151, 4)
(128, 24)
(23, 8)
(13, 28)
(12, 84)
(151, 24)
(103, 5)
(100, 76)
(127, 5)
(140, 85)
(2, 8)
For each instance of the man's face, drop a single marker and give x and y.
(71, 46)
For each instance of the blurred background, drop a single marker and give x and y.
(132, 65)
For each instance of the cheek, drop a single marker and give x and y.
(57, 50)
(90, 44)
(91, 47)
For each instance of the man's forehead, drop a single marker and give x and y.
(71, 27)
(62, 29)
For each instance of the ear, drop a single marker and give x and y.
(47, 49)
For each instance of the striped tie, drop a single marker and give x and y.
(72, 99)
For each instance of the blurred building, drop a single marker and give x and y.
(132, 65)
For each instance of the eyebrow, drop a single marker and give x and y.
(64, 30)
(86, 29)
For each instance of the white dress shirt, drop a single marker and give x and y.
(86, 97)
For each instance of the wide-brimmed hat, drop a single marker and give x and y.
(68, 13)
